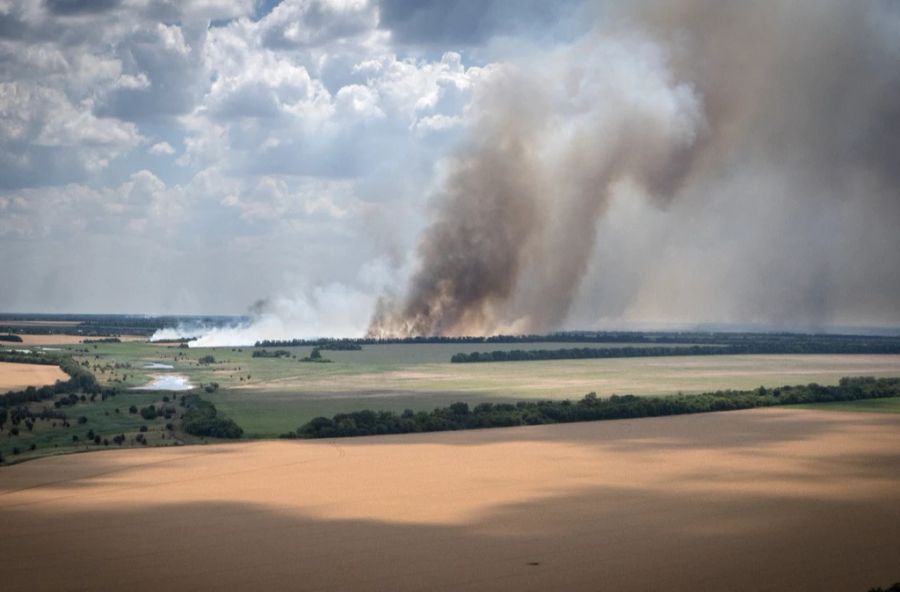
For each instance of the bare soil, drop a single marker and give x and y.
(774, 499)
(14, 377)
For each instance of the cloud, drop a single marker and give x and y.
(162, 149)
(45, 138)
(313, 23)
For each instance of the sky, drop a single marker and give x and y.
(295, 158)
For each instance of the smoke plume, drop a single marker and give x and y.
(766, 134)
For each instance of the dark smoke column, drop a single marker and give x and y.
(771, 128)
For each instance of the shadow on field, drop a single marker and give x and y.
(760, 500)
(599, 539)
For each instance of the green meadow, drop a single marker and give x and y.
(268, 396)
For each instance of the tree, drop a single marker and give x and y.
(459, 408)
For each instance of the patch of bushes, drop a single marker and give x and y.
(278, 353)
(201, 419)
(316, 356)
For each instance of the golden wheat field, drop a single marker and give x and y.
(751, 500)
(19, 376)
(60, 339)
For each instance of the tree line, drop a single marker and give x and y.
(322, 344)
(754, 347)
(80, 379)
(639, 337)
(459, 416)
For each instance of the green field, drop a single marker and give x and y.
(105, 418)
(268, 396)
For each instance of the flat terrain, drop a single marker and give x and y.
(15, 377)
(59, 339)
(775, 499)
(891, 405)
(268, 396)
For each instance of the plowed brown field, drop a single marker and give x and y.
(773, 499)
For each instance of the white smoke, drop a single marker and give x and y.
(333, 310)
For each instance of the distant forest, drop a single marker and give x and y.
(102, 325)
(771, 340)
(459, 416)
(321, 344)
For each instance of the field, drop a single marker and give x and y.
(264, 404)
(29, 339)
(771, 499)
(19, 376)
(868, 406)
(267, 396)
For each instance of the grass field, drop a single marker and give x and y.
(268, 397)
(776, 499)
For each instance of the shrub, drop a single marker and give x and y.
(201, 419)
